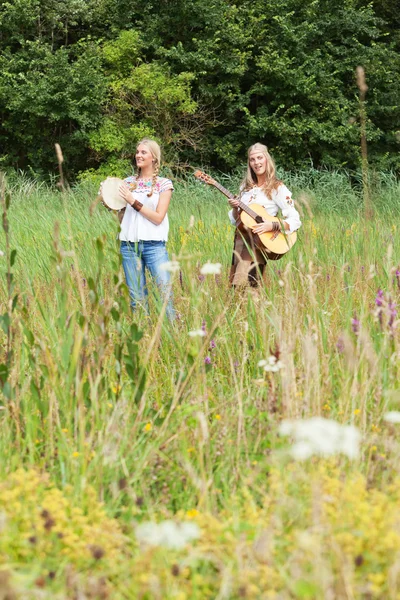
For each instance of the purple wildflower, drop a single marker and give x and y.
(201, 277)
(379, 298)
(340, 345)
(203, 325)
(207, 360)
(392, 312)
(355, 324)
(212, 345)
(328, 277)
(236, 365)
(398, 277)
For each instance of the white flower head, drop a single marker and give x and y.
(167, 534)
(211, 269)
(272, 364)
(322, 437)
(172, 266)
(197, 333)
(392, 416)
(1, 253)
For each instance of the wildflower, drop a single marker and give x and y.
(392, 312)
(192, 513)
(281, 283)
(172, 266)
(197, 333)
(340, 345)
(148, 427)
(75, 454)
(190, 450)
(392, 416)
(323, 437)
(1, 253)
(355, 324)
(64, 430)
(272, 364)
(116, 389)
(167, 534)
(212, 345)
(379, 298)
(398, 277)
(207, 360)
(218, 417)
(357, 411)
(211, 269)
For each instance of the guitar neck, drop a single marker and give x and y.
(242, 205)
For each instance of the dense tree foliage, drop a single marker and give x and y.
(206, 77)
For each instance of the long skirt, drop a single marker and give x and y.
(248, 262)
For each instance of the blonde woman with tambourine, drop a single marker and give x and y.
(145, 226)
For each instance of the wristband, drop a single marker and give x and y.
(276, 226)
(137, 205)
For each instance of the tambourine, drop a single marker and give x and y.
(110, 195)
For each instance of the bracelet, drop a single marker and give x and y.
(137, 205)
(276, 226)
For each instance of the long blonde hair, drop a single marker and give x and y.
(155, 151)
(250, 180)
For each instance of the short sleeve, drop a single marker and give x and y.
(283, 198)
(165, 185)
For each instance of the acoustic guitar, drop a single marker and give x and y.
(274, 243)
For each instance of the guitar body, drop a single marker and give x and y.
(275, 244)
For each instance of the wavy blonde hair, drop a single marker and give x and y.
(155, 151)
(271, 183)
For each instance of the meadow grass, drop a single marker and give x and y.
(110, 418)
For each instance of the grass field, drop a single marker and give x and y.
(139, 461)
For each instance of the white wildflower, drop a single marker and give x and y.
(392, 417)
(1, 253)
(281, 283)
(211, 269)
(172, 266)
(167, 534)
(272, 364)
(323, 437)
(197, 333)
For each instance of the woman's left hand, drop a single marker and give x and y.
(125, 193)
(262, 227)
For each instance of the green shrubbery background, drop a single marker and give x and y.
(207, 78)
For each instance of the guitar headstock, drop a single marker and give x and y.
(204, 177)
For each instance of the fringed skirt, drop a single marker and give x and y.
(248, 262)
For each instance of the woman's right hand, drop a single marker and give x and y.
(234, 202)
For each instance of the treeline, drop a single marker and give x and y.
(206, 77)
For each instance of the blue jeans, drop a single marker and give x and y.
(136, 257)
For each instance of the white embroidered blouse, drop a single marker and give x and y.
(281, 198)
(135, 227)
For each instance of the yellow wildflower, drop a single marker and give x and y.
(148, 427)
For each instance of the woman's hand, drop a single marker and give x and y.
(262, 227)
(125, 193)
(234, 202)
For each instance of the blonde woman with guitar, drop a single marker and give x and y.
(262, 188)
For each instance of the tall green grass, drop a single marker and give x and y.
(159, 422)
